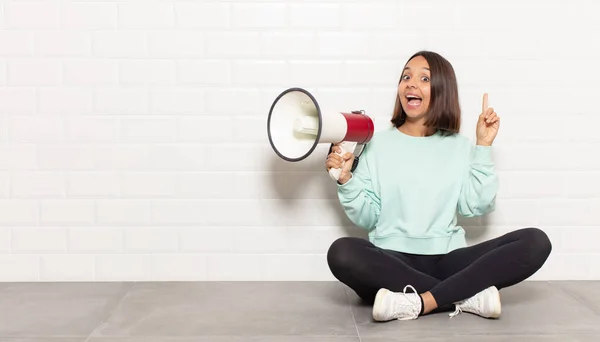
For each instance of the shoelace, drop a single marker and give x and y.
(456, 312)
(459, 306)
(409, 286)
(415, 303)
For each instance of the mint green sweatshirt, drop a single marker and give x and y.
(407, 191)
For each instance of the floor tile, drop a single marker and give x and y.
(489, 338)
(232, 309)
(56, 309)
(229, 339)
(43, 339)
(528, 308)
(587, 292)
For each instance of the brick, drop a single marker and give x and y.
(179, 157)
(89, 15)
(258, 15)
(263, 73)
(36, 129)
(91, 72)
(147, 72)
(25, 268)
(66, 157)
(208, 129)
(121, 157)
(16, 43)
(218, 101)
(220, 266)
(370, 73)
(90, 240)
(232, 44)
(17, 101)
(38, 184)
(67, 212)
(323, 73)
(532, 184)
(150, 240)
(177, 101)
(122, 267)
(208, 72)
(179, 212)
(344, 45)
(168, 267)
(151, 15)
(206, 239)
(515, 212)
(370, 16)
(32, 14)
(120, 101)
(93, 184)
(202, 15)
(33, 72)
(149, 185)
(64, 101)
(176, 44)
(309, 15)
(30, 240)
(18, 157)
(124, 212)
(87, 129)
(118, 44)
(148, 130)
(63, 43)
(70, 267)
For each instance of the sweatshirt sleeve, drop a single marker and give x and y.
(478, 192)
(360, 200)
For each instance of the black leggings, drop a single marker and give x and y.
(451, 277)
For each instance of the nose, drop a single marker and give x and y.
(411, 83)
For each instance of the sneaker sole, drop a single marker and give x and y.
(378, 305)
(495, 303)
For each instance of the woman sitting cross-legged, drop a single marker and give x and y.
(407, 189)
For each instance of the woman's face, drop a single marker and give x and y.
(414, 89)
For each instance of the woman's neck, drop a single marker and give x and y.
(416, 129)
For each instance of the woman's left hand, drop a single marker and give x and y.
(487, 125)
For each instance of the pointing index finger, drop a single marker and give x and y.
(485, 103)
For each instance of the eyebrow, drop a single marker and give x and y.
(408, 68)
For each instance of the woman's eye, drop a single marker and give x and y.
(425, 78)
(405, 77)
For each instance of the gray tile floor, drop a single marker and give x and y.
(277, 312)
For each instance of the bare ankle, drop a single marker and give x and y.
(429, 302)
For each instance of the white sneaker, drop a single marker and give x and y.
(485, 304)
(396, 305)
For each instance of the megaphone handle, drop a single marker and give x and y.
(346, 146)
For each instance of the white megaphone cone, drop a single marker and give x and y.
(297, 123)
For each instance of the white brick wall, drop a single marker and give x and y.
(133, 133)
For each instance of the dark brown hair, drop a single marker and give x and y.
(444, 108)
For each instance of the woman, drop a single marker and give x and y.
(411, 182)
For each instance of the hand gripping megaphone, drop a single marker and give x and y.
(296, 124)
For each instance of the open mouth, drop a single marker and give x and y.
(413, 100)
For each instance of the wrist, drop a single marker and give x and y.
(483, 143)
(342, 181)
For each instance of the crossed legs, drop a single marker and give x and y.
(441, 280)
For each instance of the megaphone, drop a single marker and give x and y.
(297, 124)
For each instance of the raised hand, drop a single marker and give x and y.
(488, 124)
